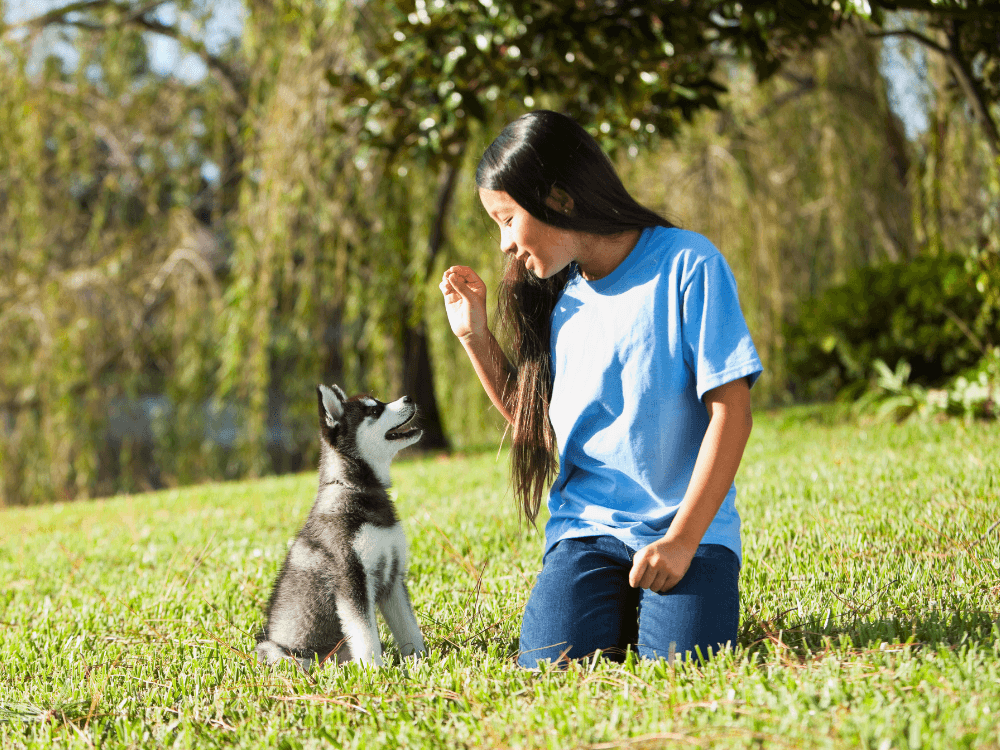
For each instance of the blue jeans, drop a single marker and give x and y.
(582, 602)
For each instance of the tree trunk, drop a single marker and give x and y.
(418, 374)
(418, 384)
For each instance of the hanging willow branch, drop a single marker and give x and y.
(233, 82)
(962, 70)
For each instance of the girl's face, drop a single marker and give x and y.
(544, 249)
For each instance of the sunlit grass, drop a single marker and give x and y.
(871, 591)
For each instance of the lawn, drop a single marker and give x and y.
(871, 597)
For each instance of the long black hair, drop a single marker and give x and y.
(537, 160)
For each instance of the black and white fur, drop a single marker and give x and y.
(351, 553)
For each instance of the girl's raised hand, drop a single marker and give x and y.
(464, 301)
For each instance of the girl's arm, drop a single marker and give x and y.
(465, 302)
(662, 564)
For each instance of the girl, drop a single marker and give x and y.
(633, 367)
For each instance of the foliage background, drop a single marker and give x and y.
(183, 258)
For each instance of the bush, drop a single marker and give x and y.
(936, 313)
(975, 394)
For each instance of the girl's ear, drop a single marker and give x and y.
(331, 405)
(559, 200)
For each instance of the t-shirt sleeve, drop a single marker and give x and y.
(717, 343)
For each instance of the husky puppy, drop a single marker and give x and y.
(351, 553)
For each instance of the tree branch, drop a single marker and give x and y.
(443, 205)
(915, 35)
(964, 328)
(962, 71)
(58, 15)
(231, 80)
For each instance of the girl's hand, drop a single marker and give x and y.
(660, 566)
(464, 301)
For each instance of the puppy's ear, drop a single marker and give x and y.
(331, 405)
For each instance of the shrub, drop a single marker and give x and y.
(939, 314)
(975, 394)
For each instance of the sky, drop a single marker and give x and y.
(902, 64)
(166, 57)
(904, 67)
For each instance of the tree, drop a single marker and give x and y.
(629, 72)
(343, 133)
(307, 220)
(108, 269)
(438, 73)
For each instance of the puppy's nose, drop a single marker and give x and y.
(407, 400)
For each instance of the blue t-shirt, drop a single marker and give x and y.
(633, 354)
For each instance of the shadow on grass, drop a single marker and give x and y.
(932, 629)
(795, 639)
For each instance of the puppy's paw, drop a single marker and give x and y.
(269, 652)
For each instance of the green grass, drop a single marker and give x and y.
(871, 592)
